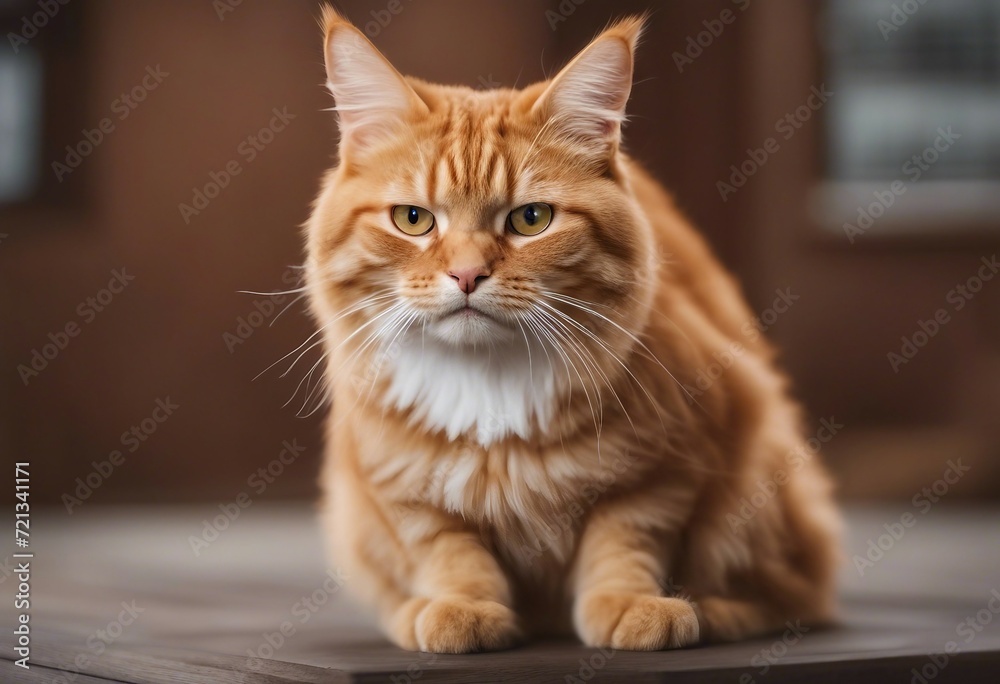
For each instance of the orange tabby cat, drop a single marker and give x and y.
(514, 317)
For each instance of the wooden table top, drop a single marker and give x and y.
(218, 616)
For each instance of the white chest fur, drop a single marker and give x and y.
(486, 393)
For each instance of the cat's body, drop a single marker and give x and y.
(546, 459)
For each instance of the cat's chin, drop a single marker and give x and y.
(470, 328)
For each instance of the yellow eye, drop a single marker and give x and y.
(412, 220)
(531, 219)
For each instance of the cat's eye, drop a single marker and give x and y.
(531, 219)
(412, 220)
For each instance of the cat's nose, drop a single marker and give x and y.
(467, 277)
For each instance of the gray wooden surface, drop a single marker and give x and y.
(199, 615)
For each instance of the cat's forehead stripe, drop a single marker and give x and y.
(431, 175)
(473, 158)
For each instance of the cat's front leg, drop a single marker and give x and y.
(619, 602)
(459, 600)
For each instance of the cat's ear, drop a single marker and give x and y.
(371, 98)
(586, 100)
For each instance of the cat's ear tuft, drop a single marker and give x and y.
(586, 100)
(371, 98)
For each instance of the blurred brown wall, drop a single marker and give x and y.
(163, 336)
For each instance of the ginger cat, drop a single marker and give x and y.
(513, 315)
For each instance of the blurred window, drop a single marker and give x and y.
(43, 88)
(917, 99)
(898, 77)
(20, 119)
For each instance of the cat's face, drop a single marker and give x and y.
(469, 216)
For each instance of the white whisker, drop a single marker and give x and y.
(304, 288)
(287, 307)
(352, 309)
(572, 301)
(582, 347)
(611, 353)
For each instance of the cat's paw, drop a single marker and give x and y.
(461, 625)
(636, 622)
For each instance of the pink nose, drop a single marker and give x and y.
(468, 277)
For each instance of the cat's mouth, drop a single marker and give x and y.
(469, 324)
(470, 312)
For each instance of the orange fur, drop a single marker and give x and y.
(539, 464)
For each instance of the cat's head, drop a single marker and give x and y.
(468, 215)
